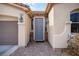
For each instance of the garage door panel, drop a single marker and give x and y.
(8, 32)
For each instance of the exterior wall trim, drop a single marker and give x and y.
(8, 16)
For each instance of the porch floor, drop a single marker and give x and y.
(37, 49)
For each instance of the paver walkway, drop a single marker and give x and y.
(37, 49)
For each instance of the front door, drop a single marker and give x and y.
(39, 29)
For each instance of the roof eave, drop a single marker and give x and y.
(27, 10)
(49, 7)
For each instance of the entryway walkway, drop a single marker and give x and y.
(37, 49)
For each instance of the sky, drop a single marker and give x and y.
(37, 6)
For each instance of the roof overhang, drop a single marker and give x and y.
(38, 13)
(43, 13)
(22, 7)
(33, 13)
(49, 7)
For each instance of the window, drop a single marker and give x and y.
(74, 17)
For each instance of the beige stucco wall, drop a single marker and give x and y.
(8, 18)
(59, 16)
(6, 9)
(10, 13)
(27, 28)
(51, 26)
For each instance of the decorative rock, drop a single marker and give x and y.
(73, 46)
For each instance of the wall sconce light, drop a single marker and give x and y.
(21, 18)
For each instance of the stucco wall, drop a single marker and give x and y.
(10, 13)
(8, 18)
(10, 10)
(61, 26)
(27, 28)
(51, 26)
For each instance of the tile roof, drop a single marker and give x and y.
(23, 5)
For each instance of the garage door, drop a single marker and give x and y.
(8, 32)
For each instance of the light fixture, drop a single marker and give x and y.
(21, 18)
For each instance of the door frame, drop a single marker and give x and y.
(43, 26)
